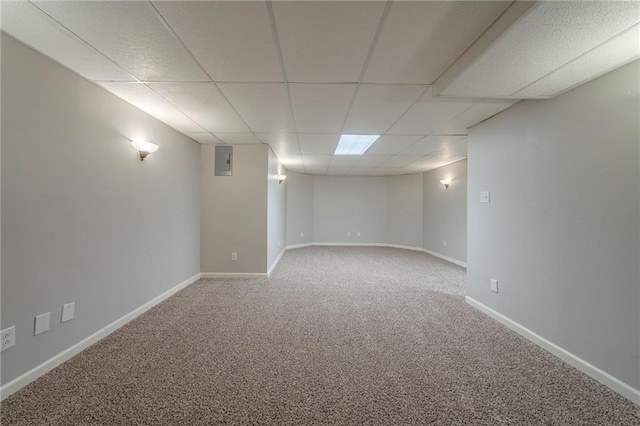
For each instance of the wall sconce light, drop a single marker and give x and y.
(446, 182)
(281, 178)
(144, 148)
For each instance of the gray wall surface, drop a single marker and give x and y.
(83, 219)
(562, 230)
(445, 211)
(352, 204)
(276, 210)
(299, 208)
(234, 212)
(404, 216)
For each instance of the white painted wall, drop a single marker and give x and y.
(445, 211)
(83, 219)
(404, 216)
(352, 204)
(276, 210)
(562, 231)
(234, 212)
(299, 208)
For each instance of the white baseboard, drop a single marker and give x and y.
(233, 275)
(28, 377)
(295, 246)
(591, 370)
(403, 247)
(447, 258)
(350, 244)
(276, 262)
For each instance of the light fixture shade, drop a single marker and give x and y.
(281, 178)
(446, 182)
(354, 144)
(141, 145)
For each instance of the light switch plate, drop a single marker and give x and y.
(41, 323)
(68, 311)
(494, 285)
(485, 197)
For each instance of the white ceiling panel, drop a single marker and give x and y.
(474, 115)
(316, 160)
(609, 55)
(400, 160)
(382, 171)
(430, 144)
(548, 36)
(359, 171)
(420, 40)
(237, 138)
(316, 170)
(321, 108)
(429, 113)
(429, 163)
(298, 169)
(338, 171)
(318, 143)
(232, 40)
(264, 106)
(326, 41)
(144, 98)
(285, 144)
(291, 161)
(368, 161)
(131, 34)
(204, 138)
(34, 28)
(377, 107)
(392, 144)
(456, 149)
(204, 103)
(344, 160)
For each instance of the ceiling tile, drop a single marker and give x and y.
(291, 161)
(456, 149)
(298, 169)
(377, 107)
(316, 160)
(429, 163)
(144, 98)
(548, 36)
(479, 112)
(381, 171)
(285, 144)
(400, 160)
(131, 34)
(326, 41)
(392, 144)
(430, 144)
(338, 171)
(204, 103)
(420, 40)
(232, 40)
(204, 138)
(369, 161)
(263, 106)
(316, 170)
(321, 108)
(429, 113)
(33, 27)
(344, 160)
(317, 144)
(237, 138)
(359, 171)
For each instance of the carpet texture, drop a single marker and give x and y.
(337, 335)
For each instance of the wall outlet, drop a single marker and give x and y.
(485, 197)
(8, 336)
(348, 234)
(68, 311)
(494, 285)
(41, 323)
(302, 235)
(444, 243)
(234, 255)
(358, 233)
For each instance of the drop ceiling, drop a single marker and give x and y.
(295, 75)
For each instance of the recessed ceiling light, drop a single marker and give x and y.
(354, 144)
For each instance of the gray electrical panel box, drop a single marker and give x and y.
(224, 160)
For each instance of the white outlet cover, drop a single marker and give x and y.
(494, 285)
(444, 243)
(301, 234)
(234, 256)
(485, 197)
(41, 323)
(358, 234)
(8, 338)
(348, 234)
(68, 311)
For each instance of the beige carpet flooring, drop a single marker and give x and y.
(337, 335)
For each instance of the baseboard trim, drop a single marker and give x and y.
(233, 275)
(276, 262)
(31, 375)
(403, 247)
(447, 258)
(295, 246)
(591, 370)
